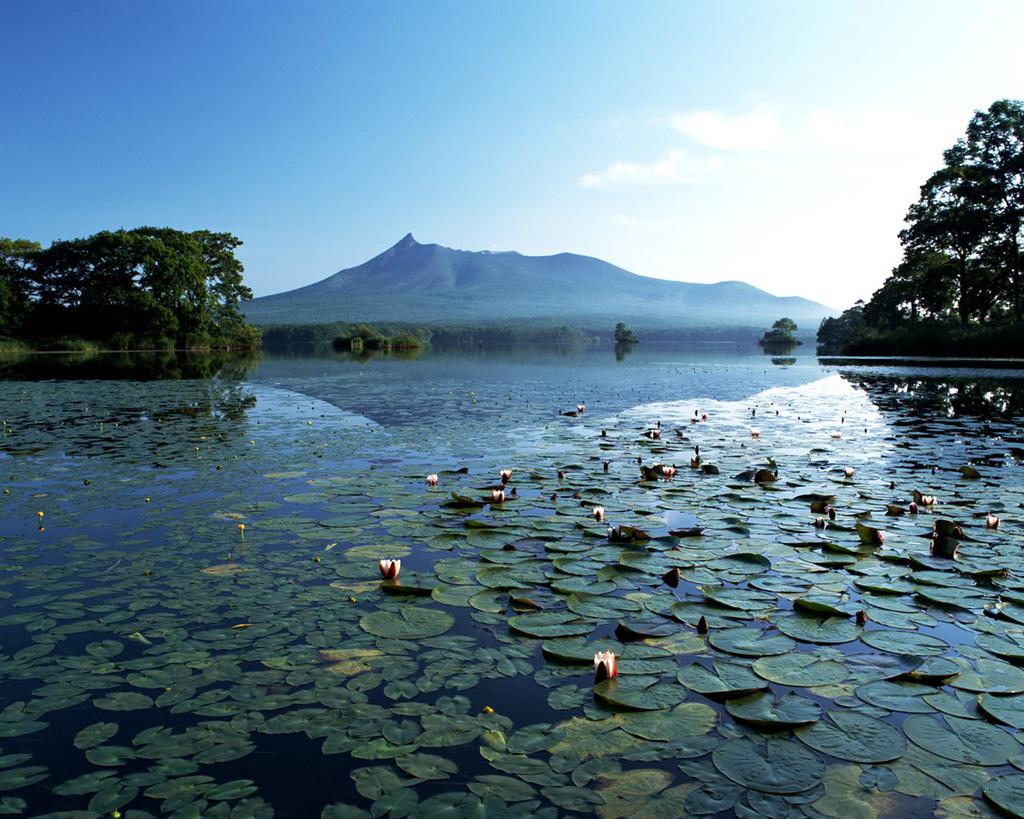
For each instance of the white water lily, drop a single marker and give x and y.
(605, 666)
(389, 569)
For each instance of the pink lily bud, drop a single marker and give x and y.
(389, 569)
(432, 479)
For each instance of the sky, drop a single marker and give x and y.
(778, 142)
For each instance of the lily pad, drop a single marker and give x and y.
(773, 766)
(854, 737)
(407, 623)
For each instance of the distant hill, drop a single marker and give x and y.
(431, 284)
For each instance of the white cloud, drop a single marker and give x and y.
(756, 131)
(676, 167)
(761, 141)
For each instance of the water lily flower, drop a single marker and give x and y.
(40, 516)
(924, 500)
(837, 434)
(654, 434)
(389, 569)
(668, 472)
(497, 496)
(991, 522)
(848, 472)
(605, 666)
(819, 522)
(755, 432)
(614, 534)
(561, 475)
(580, 408)
(506, 475)
(241, 530)
(432, 479)
(879, 537)
(913, 508)
(703, 416)
(598, 513)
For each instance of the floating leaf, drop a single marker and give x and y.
(407, 623)
(773, 766)
(855, 737)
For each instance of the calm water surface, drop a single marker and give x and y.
(192, 622)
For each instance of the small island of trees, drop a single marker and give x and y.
(960, 287)
(781, 334)
(623, 335)
(147, 288)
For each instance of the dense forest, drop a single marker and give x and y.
(148, 288)
(960, 286)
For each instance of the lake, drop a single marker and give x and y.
(193, 621)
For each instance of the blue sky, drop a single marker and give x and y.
(775, 142)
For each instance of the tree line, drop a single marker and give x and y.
(150, 287)
(962, 273)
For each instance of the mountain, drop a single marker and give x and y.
(430, 284)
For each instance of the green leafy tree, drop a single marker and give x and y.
(158, 286)
(623, 335)
(781, 332)
(16, 257)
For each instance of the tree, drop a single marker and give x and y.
(972, 212)
(154, 286)
(623, 335)
(781, 332)
(16, 256)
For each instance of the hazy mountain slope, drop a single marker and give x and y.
(412, 282)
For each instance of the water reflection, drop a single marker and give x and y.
(162, 365)
(951, 397)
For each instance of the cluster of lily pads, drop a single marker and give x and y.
(154, 662)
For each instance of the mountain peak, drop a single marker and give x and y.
(405, 242)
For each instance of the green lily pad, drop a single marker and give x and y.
(750, 642)
(854, 737)
(623, 693)
(1007, 793)
(813, 629)
(904, 642)
(407, 623)
(773, 766)
(962, 740)
(95, 734)
(723, 681)
(907, 697)
(1008, 710)
(548, 624)
(764, 711)
(800, 669)
(687, 719)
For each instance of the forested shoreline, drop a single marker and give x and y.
(147, 288)
(959, 289)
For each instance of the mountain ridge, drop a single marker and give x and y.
(431, 283)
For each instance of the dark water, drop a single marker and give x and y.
(264, 671)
